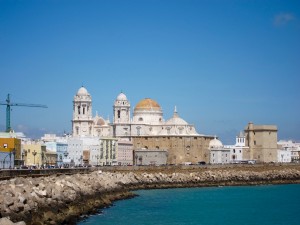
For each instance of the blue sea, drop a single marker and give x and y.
(246, 205)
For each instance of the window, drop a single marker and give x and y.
(138, 130)
(83, 110)
(254, 142)
(233, 150)
(79, 110)
(119, 114)
(140, 119)
(5, 146)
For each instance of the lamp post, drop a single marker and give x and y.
(24, 154)
(34, 154)
(97, 160)
(81, 157)
(14, 153)
(66, 155)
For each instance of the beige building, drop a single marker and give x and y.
(34, 153)
(125, 152)
(180, 149)
(262, 142)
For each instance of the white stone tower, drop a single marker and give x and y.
(121, 119)
(82, 122)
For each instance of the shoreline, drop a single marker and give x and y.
(64, 199)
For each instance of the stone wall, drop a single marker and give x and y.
(61, 199)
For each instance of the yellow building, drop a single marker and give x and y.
(34, 153)
(10, 145)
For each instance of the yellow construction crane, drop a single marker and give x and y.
(9, 104)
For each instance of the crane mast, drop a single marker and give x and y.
(8, 104)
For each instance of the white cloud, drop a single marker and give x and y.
(283, 18)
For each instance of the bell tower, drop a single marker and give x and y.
(121, 119)
(82, 122)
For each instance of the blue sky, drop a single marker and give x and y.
(222, 63)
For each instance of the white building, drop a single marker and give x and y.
(292, 147)
(218, 154)
(237, 150)
(75, 152)
(284, 156)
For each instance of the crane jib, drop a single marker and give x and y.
(9, 104)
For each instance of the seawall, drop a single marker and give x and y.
(62, 199)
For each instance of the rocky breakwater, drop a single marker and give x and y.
(62, 199)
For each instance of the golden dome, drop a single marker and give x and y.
(147, 104)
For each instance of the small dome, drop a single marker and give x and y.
(215, 143)
(82, 91)
(100, 122)
(147, 104)
(176, 121)
(121, 97)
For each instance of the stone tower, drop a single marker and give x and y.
(82, 122)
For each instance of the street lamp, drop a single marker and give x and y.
(66, 155)
(14, 153)
(34, 154)
(24, 154)
(97, 159)
(81, 157)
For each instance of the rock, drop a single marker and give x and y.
(8, 200)
(6, 221)
(20, 223)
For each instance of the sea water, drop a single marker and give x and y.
(246, 205)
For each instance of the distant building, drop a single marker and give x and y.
(10, 150)
(34, 153)
(284, 156)
(125, 152)
(218, 154)
(75, 152)
(62, 152)
(262, 143)
(292, 147)
(237, 150)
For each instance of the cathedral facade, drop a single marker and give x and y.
(149, 130)
(146, 128)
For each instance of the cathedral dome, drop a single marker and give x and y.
(82, 91)
(147, 104)
(121, 97)
(215, 143)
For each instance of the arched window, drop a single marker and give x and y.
(119, 114)
(78, 109)
(140, 119)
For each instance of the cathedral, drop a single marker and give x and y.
(146, 129)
